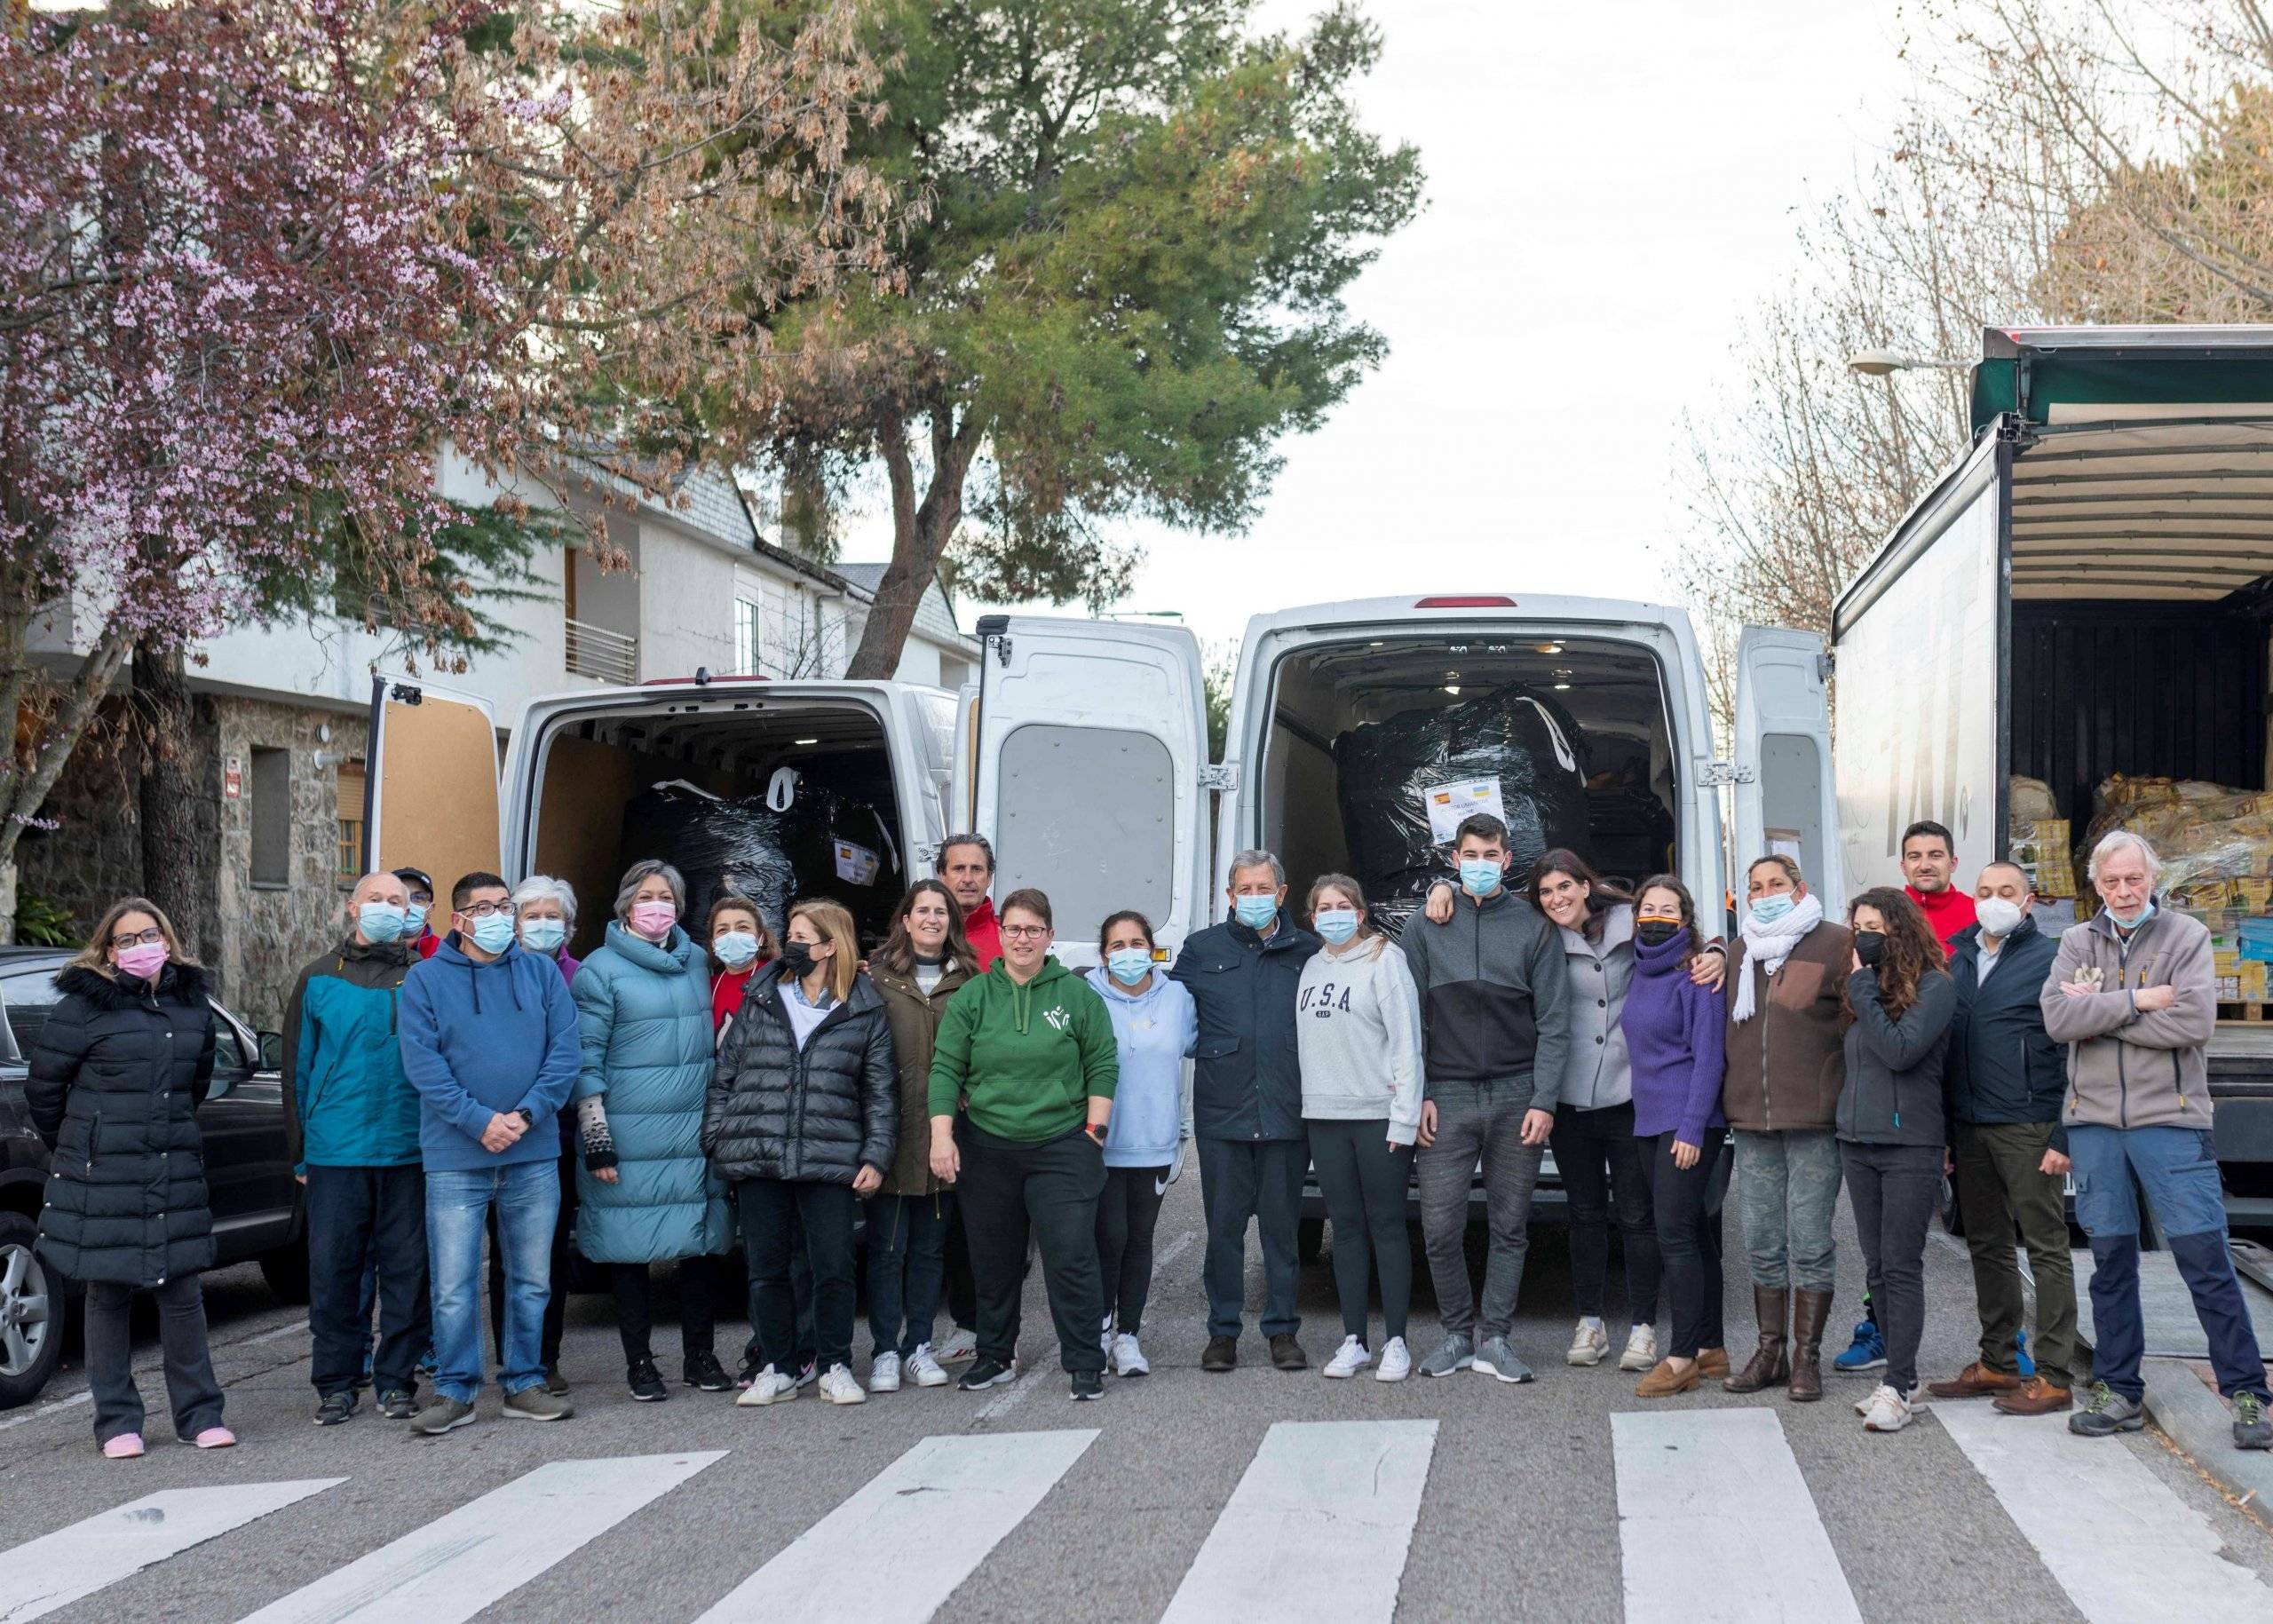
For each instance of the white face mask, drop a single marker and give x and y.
(1998, 918)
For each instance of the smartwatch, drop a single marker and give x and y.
(522, 1112)
(1096, 1130)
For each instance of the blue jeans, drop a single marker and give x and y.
(527, 1195)
(908, 1268)
(2178, 1169)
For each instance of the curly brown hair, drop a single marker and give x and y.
(1911, 950)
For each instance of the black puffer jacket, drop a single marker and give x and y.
(116, 1078)
(818, 1114)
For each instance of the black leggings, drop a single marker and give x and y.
(1126, 1217)
(1598, 1156)
(1689, 1203)
(1364, 1183)
(699, 1279)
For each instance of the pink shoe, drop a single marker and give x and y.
(216, 1438)
(125, 1447)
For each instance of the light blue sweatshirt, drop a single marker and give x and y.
(1153, 1030)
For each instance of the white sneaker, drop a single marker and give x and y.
(1916, 1401)
(771, 1387)
(1350, 1358)
(1396, 1361)
(838, 1387)
(1889, 1411)
(1590, 1344)
(1641, 1349)
(923, 1370)
(883, 1373)
(1127, 1358)
(959, 1349)
(1105, 1341)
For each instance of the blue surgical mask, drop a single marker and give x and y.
(1256, 912)
(1480, 876)
(413, 920)
(493, 934)
(2146, 911)
(735, 948)
(1768, 910)
(543, 935)
(1337, 924)
(1130, 966)
(380, 922)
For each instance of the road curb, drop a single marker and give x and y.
(2198, 1422)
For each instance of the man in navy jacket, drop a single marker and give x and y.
(2006, 1077)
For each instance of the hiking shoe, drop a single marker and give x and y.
(1127, 1358)
(1455, 1352)
(1347, 1360)
(2252, 1428)
(336, 1408)
(396, 1404)
(535, 1404)
(1590, 1344)
(1867, 1352)
(1641, 1349)
(883, 1373)
(984, 1372)
(769, 1386)
(1396, 1361)
(959, 1346)
(838, 1387)
(1976, 1381)
(2108, 1414)
(703, 1373)
(1889, 1411)
(1494, 1357)
(1221, 1354)
(2037, 1396)
(557, 1384)
(646, 1382)
(443, 1414)
(1087, 1384)
(923, 1370)
(1287, 1353)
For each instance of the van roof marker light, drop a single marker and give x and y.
(1482, 601)
(804, 741)
(1547, 648)
(1452, 688)
(1561, 687)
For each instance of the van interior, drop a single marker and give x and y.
(1323, 696)
(753, 797)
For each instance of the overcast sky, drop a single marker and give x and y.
(1608, 189)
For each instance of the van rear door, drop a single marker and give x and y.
(1080, 760)
(1784, 794)
(429, 782)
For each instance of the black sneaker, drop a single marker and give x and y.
(396, 1404)
(1222, 1354)
(334, 1408)
(646, 1382)
(808, 1371)
(753, 1366)
(986, 1373)
(705, 1373)
(1087, 1384)
(555, 1382)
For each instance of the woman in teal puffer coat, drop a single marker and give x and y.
(645, 1189)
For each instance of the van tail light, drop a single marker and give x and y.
(1481, 601)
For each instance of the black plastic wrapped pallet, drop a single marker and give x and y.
(1526, 740)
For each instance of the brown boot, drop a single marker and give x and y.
(1768, 1366)
(1809, 1310)
(1713, 1363)
(2039, 1397)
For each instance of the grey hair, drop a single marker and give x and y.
(1260, 859)
(2123, 840)
(544, 888)
(638, 874)
(363, 880)
(968, 839)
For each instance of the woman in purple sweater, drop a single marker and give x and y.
(1674, 1042)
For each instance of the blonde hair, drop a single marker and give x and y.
(834, 921)
(96, 954)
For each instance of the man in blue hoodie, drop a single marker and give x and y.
(489, 1040)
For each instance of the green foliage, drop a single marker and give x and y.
(42, 924)
(1220, 673)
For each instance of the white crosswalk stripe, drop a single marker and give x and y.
(74, 1563)
(1715, 1522)
(1318, 1528)
(2126, 1549)
(938, 1509)
(459, 1564)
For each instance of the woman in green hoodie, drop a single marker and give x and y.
(1025, 1054)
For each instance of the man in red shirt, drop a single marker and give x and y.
(967, 865)
(419, 931)
(1929, 859)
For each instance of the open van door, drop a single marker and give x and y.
(1082, 761)
(1784, 793)
(430, 783)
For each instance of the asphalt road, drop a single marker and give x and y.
(1513, 1507)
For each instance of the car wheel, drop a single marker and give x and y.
(286, 1271)
(1953, 1217)
(31, 1313)
(1310, 1240)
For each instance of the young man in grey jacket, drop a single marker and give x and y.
(1496, 1036)
(2133, 996)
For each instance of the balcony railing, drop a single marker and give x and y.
(594, 651)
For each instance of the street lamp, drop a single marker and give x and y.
(1880, 363)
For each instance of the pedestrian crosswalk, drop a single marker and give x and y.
(1716, 1521)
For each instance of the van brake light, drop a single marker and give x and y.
(1488, 601)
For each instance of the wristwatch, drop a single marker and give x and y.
(522, 1112)
(1096, 1130)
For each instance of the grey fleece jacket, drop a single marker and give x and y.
(1495, 998)
(2128, 1067)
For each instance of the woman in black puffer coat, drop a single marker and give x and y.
(801, 1118)
(117, 1074)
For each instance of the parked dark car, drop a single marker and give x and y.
(1549, 1204)
(257, 1214)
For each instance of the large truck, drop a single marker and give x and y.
(2087, 593)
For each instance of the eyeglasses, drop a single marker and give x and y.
(483, 910)
(150, 937)
(1025, 933)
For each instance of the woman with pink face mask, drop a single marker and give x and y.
(117, 1073)
(646, 1194)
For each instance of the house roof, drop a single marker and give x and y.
(711, 503)
(935, 615)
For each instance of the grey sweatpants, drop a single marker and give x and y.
(1787, 1188)
(1476, 1124)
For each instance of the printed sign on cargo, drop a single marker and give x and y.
(1447, 803)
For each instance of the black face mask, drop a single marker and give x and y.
(1870, 946)
(796, 959)
(1656, 932)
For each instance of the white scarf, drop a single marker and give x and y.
(1768, 946)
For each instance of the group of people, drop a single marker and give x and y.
(692, 1085)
